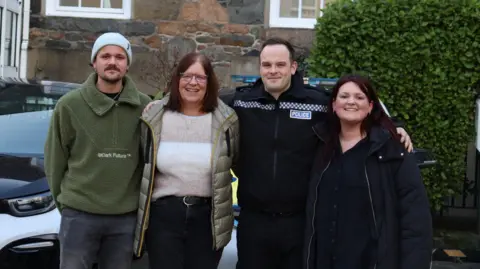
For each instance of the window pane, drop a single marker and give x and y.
(69, 3)
(309, 8)
(90, 3)
(114, 3)
(13, 38)
(1, 19)
(36, 7)
(8, 40)
(289, 8)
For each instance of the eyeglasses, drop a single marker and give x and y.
(202, 79)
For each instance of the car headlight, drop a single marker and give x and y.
(31, 205)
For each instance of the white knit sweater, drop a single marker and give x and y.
(183, 158)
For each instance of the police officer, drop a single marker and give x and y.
(277, 146)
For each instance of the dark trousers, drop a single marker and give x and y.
(179, 236)
(268, 241)
(87, 238)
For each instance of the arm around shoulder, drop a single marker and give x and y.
(416, 233)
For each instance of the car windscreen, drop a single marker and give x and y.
(20, 98)
(24, 134)
(22, 140)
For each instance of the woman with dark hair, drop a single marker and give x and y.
(190, 142)
(367, 206)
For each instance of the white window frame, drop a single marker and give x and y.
(283, 22)
(14, 45)
(53, 8)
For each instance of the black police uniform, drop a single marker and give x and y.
(277, 148)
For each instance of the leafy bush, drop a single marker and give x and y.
(423, 56)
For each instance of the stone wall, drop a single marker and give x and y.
(225, 30)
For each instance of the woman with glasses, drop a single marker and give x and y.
(190, 142)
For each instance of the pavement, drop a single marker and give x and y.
(229, 259)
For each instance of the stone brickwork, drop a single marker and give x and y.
(222, 29)
(80, 34)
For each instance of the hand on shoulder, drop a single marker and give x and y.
(149, 105)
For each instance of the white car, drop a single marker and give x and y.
(29, 220)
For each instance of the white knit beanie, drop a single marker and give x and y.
(112, 39)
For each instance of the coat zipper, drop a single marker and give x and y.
(315, 204)
(370, 194)
(150, 187)
(275, 137)
(314, 213)
(212, 155)
(115, 123)
(371, 207)
(315, 209)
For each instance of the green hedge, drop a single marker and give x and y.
(423, 56)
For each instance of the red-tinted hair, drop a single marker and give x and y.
(377, 116)
(210, 101)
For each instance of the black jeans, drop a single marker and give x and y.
(268, 241)
(180, 236)
(88, 238)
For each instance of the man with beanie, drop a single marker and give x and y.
(93, 162)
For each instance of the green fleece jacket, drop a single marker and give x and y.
(92, 153)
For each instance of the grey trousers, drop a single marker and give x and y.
(86, 239)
